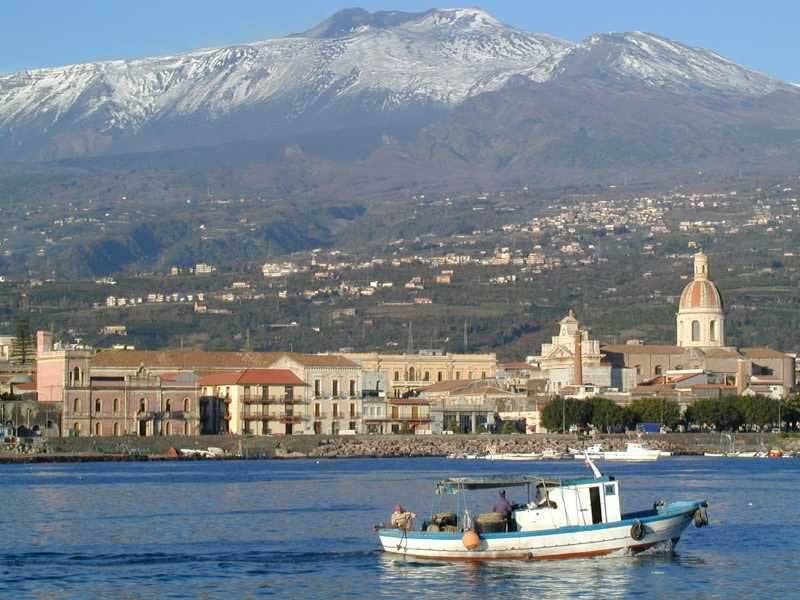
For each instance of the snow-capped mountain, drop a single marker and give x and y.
(353, 68)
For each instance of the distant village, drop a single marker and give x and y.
(75, 390)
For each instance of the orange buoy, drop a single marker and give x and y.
(470, 540)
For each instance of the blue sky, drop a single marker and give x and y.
(37, 33)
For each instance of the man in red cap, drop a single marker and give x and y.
(402, 519)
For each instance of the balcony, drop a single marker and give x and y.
(248, 417)
(272, 400)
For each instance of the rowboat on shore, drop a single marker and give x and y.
(562, 518)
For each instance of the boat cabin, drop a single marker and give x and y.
(551, 503)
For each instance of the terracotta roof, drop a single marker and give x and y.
(762, 353)
(721, 353)
(700, 293)
(252, 377)
(642, 349)
(321, 360)
(197, 359)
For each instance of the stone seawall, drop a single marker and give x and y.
(143, 448)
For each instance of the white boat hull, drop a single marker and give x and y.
(663, 526)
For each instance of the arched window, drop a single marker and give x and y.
(427, 376)
(695, 331)
(187, 405)
(169, 428)
(657, 370)
(185, 428)
(142, 405)
(712, 331)
(116, 406)
(76, 376)
(98, 431)
(116, 429)
(76, 429)
(76, 405)
(97, 405)
(168, 406)
(411, 374)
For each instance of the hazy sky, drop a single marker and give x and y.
(36, 33)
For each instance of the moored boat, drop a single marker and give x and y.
(633, 451)
(562, 518)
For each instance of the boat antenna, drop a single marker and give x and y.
(592, 466)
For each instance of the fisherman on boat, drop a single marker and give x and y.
(402, 519)
(506, 509)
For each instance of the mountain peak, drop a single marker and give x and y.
(349, 21)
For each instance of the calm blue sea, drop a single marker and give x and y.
(303, 529)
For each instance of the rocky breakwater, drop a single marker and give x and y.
(444, 445)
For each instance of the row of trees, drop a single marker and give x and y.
(724, 413)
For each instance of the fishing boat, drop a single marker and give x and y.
(509, 456)
(595, 452)
(634, 451)
(562, 518)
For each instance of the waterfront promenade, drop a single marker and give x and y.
(251, 447)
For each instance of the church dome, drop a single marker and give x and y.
(700, 293)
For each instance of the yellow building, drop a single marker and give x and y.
(406, 372)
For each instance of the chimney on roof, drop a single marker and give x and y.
(578, 370)
(743, 371)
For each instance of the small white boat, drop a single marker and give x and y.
(510, 456)
(595, 452)
(550, 454)
(562, 518)
(633, 451)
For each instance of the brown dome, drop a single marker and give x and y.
(700, 293)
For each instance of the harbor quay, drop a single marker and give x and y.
(86, 449)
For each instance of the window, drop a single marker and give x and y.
(458, 374)
(657, 369)
(712, 331)
(352, 425)
(264, 393)
(142, 405)
(411, 374)
(427, 376)
(97, 405)
(246, 393)
(168, 407)
(76, 429)
(611, 490)
(352, 387)
(439, 376)
(695, 331)
(335, 409)
(187, 405)
(335, 387)
(76, 405)
(395, 412)
(352, 410)
(169, 428)
(483, 374)
(415, 412)
(76, 376)
(116, 429)
(98, 430)
(185, 428)
(316, 409)
(316, 388)
(288, 392)
(116, 406)
(397, 375)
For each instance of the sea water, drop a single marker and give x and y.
(304, 529)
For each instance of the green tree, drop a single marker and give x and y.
(571, 412)
(22, 347)
(721, 413)
(656, 410)
(454, 426)
(608, 416)
(757, 410)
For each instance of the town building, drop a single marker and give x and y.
(408, 372)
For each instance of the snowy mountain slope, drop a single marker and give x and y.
(367, 66)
